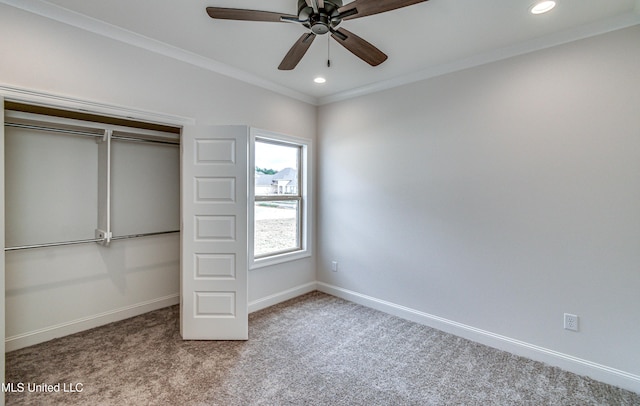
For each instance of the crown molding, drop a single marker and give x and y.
(581, 32)
(102, 28)
(54, 12)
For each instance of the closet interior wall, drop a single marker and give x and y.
(92, 221)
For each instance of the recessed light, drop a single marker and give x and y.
(319, 80)
(542, 7)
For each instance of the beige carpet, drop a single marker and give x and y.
(313, 350)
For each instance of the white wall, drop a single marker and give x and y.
(55, 290)
(494, 199)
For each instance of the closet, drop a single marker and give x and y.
(92, 219)
(75, 180)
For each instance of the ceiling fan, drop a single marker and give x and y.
(321, 17)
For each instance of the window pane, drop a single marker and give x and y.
(276, 227)
(277, 168)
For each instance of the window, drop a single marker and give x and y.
(280, 202)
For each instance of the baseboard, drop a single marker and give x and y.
(75, 326)
(567, 362)
(85, 323)
(279, 297)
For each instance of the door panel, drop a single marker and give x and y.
(214, 233)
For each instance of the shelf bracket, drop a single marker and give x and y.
(103, 231)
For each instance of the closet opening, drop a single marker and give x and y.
(75, 177)
(92, 219)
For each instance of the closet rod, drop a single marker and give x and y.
(56, 130)
(58, 244)
(90, 134)
(124, 237)
(133, 139)
(53, 244)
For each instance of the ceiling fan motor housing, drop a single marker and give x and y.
(321, 22)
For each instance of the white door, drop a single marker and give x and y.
(214, 262)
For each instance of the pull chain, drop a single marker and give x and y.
(328, 51)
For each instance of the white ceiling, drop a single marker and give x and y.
(422, 40)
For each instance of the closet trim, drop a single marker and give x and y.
(56, 101)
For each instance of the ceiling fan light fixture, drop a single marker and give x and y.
(542, 7)
(319, 80)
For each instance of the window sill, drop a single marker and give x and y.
(279, 259)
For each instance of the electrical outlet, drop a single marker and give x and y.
(570, 322)
(334, 266)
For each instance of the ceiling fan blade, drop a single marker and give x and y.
(369, 7)
(297, 51)
(246, 15)
(359, 47)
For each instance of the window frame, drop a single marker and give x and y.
(304, 197)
